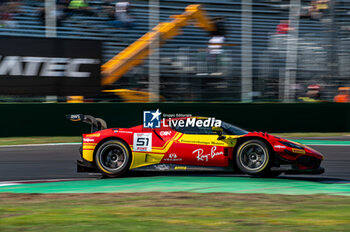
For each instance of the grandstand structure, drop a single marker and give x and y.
(186, 71)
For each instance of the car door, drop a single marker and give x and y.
(199, 147)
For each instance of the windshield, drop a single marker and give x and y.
(230, 129)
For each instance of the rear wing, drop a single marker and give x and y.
(97, 124)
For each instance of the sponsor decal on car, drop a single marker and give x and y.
(161, 167)
(173, 157)
(142, 142)
(88, 140)
(126, 132)
(298, 151)
(180, 168)
(195, 141)
(205, 157)
(93, 135)
(165, 133)
(219, 143)
(279, 146)
(75, 117)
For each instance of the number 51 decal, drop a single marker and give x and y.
(142, 142)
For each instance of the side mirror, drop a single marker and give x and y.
(219, 131)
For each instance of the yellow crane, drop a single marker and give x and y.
(134, 54)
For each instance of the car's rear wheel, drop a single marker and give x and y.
(254, 158)
(113, 158)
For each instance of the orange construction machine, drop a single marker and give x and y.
(135, 53)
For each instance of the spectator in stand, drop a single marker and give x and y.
(63, 5)
(215, 44)
(41, 15)
(109, 12)
(215, 47)
(215, 54)
(3, 16)
(317, 9)
(7, 11)
(283, 27)
(60, 14)
(322, 6)
(343, 96)
(61, 11)
(313, 11)
(313, 94)
(122, 17)
(80, 7)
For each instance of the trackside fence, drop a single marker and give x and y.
(49, 119)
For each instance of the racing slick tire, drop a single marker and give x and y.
(113, 158)
(254, 157)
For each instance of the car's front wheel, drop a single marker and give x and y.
(113, 158)
(254, 158)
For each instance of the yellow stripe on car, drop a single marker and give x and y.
(210, 140)
(140, 159)
(88, 151)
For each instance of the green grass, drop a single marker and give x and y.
(72, 139)
(173, 212)
(39, 140)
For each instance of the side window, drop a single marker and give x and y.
(225, 131)
(229, 129)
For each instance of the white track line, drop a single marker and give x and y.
(7, 184)
(18, 182)
(38, 145)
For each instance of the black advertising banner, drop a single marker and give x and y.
(49, 66)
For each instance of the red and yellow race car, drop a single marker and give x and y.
(172, 147)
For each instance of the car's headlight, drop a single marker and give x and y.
(292, 145)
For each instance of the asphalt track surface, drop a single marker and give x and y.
(58, 162)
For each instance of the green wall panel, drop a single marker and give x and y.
(43, 119)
